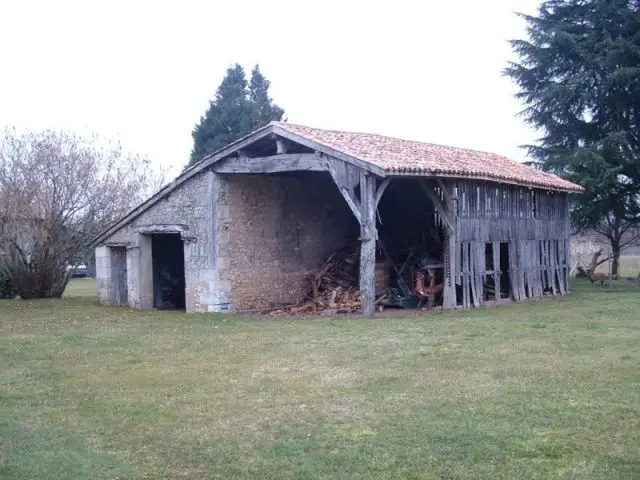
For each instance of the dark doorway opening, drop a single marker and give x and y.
(167, 253)
(505, 281)
(410, 247)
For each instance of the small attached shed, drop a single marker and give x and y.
(244, 228)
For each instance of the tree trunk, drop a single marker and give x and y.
(615, 255)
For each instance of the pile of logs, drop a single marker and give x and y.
(333, 287)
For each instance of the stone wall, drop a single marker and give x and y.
(190, 207)
(251, 239)
(274, 231)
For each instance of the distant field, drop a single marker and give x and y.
(546, 389)
(629, 265)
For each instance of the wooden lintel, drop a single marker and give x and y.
(383, 186)
(286, 162)
(442, 211)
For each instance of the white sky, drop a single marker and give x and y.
(143, 71)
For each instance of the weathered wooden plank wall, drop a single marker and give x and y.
(119, 290)
(534, 225)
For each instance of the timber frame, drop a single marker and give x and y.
(478, 216)
(474, 213)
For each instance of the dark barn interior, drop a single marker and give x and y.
(410, 253)
(167, 254)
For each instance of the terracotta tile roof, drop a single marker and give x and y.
(398, 156)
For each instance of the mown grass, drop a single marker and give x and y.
(545, 389)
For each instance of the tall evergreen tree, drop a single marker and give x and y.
(264, 109)
(238, 109)
(579, 78)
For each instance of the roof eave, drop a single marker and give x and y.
(572, 188)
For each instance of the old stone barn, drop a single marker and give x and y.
(304, 219)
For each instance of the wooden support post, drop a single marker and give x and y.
(368, 235)
(449, 299)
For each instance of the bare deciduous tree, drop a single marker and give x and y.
(57, 191)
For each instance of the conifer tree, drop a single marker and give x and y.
(579, 78)
(238, 109)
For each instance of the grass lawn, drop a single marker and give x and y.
(545, 389)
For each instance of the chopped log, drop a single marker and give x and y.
(307, 306)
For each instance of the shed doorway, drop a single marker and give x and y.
(167, 253)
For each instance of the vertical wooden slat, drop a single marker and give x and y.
(550, 267)
(538, 267)
(473, 274)
(525, 261)
(496, 268)
(459, 263)
(514, 276)
(482, 268)
(522, 270)
(559, 266)
(465, 274)
(544, 264)
(567, 253)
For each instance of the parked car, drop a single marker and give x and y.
(78, 271)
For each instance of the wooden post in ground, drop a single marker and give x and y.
(368, 236)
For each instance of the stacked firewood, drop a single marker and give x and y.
(333, 287)
(339, 273)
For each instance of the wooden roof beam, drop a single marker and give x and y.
(286, 162)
